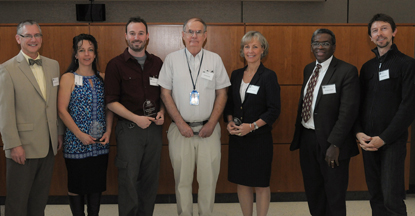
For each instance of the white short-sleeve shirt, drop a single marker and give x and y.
(175, 76)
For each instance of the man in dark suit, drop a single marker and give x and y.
(327, 110)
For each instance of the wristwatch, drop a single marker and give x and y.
(255, 126)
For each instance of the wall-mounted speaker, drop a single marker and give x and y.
(90, 12)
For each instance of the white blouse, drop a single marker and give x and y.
(242, 90)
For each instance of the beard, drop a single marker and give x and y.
(135, 48)
(383, 46)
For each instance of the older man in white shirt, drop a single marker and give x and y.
(194, 82)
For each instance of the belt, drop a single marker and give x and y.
(131, 124)
(195, 124)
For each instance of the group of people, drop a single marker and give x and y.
(335, 109)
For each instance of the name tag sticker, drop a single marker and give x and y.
(78, 80)
(153, 81)
(253, 89)
(329, 89)
(383, 75)
(55, 81)
(207, 75)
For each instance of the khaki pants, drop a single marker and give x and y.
(185, 153)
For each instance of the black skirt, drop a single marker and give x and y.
(250, 159)
(88, 175)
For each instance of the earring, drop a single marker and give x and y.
(76, 61)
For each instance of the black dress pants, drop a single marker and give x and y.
(325, 187)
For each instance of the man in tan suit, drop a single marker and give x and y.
(29, 123)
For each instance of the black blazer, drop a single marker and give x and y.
(264, 105)
(334, 114)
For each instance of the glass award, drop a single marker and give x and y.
(149, 108)
(96, 130)
(237, 121)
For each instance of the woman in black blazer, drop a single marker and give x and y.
(253, 106)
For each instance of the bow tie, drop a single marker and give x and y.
(38, 62)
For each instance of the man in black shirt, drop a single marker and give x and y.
(387, 110)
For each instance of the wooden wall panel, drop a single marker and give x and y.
(8, 44)
(283, 128)
(286, 172)
(59, 184)
(166, 182)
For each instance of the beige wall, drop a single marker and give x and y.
(225, 11)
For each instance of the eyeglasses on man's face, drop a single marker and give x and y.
(191, 33)
(323, 44)
(29, 36)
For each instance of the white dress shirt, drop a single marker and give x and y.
(324, 66)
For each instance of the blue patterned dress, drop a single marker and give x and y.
(86, 104)
(86, 164)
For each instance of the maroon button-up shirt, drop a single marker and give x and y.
(128, 84)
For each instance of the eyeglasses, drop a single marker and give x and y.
(29, 36)
(323, 44)
(191, 33)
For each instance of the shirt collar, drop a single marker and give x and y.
(28, 57)
(325, 64)
(189, 55)
(126, 55)
(393, 49)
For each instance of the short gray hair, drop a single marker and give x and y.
(27, 22)
(195, 19)
(249, 36)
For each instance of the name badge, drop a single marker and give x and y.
(55, 81)
(383, 75)
(207, 75)
(253, 89)
(194, 98)
(78, 80)
(153, 81)
(329, 89)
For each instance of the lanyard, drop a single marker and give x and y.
(200, 65)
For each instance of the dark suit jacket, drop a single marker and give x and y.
(264, 105)
(334, 114)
